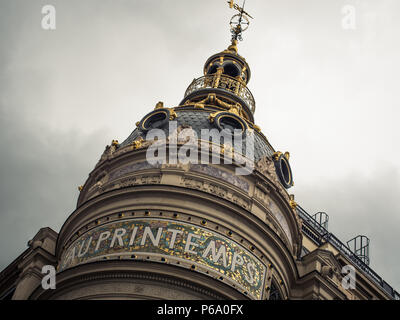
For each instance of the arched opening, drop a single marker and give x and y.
(231, 70)
(275, 294)
(213, 69)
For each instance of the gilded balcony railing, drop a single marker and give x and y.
(223, 82)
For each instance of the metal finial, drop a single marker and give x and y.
(239, 22)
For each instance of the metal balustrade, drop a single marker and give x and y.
(325, 236)
(226, 83)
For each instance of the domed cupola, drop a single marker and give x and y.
(228, 63)
(224, 83)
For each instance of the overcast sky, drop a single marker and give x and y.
(327, 94)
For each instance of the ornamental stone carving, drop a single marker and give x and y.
(215, 190)
(267, 167)
(133, 181)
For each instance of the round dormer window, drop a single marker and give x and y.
(154, 120)
(230, 123)
(283, 170)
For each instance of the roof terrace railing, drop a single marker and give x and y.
(325, 236)
(225, 83)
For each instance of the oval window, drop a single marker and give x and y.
(155, 119)
(230, 123)
(284, 171)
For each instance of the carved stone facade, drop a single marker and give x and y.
(192, 230)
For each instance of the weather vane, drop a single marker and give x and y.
(239, 22)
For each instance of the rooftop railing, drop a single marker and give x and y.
(226, 83)
(324, 236)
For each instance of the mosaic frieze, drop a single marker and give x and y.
(170, 239)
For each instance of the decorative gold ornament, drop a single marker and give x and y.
(199, 105)
(137, 143)
(114, 143)
(211, 98)
(217, 77)
(226, 148)
(233, 5)
(236, 109)
(172, 114)
(212, 116)
(159, 105)
(287, 155)
(233, 47)
(276, 155)
(218, 80)
(222, 103)
(292, 203)
(80, 188)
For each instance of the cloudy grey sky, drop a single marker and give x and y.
(328, 95)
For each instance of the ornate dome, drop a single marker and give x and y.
(188, 117)
(221, 93)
